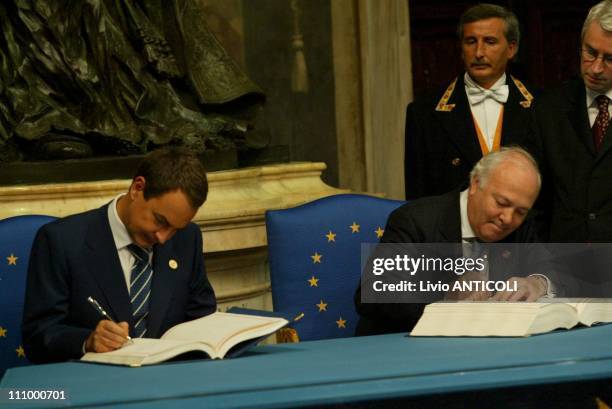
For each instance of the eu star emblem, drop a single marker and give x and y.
(12, 260)
(20, 352)
(379, 232)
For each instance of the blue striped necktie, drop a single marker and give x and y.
(140, 288)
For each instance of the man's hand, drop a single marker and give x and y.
(528, 289)
(107, 336)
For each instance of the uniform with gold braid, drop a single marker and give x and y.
(442, 142)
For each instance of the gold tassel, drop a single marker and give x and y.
(299, 73)
(601, 404)
(287, 335)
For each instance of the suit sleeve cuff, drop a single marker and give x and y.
(550, 287)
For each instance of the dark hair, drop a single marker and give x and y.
(484, 11)
(172, 168)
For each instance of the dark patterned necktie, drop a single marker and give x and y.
(601, 122)
(140, 288)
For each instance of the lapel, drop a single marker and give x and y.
(606, 145)
(162, 286)
(458, 124)
(514, 120)
(576, 113)
(578, 116)
(500, 256)
(505, 257)
(449, 226)
(105, 268)
(450, 223)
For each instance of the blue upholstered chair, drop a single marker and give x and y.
(16, 236)
(315, 260)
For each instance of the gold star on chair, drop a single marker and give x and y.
(354, 227)
(3, 332)
(20, 352)
(379, 232)
(314, 282)
(322, 306)
(331, 236)
(316, 258)
(12, 260)
(341, 323)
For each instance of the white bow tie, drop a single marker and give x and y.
(476, 95)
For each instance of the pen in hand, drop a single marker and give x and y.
(101, 311)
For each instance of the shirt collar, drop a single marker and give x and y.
(591, 95)
(469, 82)
(120, 234)
(466, 228)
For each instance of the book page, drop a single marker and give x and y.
(492, 319)
(594, 310)
(144, 351)
(220, 328)
(574, 302)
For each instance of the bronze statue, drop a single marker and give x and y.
(116, 77)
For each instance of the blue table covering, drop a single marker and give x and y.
(327, 372)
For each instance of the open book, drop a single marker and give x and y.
(510, 319)
(219, 335)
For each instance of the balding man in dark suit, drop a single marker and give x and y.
(493, 209)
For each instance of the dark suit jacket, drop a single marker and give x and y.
(577, 190)
(442, 146)
(434, 219)
(75, 257)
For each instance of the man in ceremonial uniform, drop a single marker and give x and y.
(447, 133)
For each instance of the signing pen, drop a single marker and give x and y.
(100, 310)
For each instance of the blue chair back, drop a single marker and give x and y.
(315, 260)
(16, 237)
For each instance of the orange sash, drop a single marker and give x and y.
(498, 131)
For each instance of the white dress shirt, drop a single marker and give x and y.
(486, 113)
(122, 240)
(592, 104)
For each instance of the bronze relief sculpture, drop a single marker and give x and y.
(116, 77)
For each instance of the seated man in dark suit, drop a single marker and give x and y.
(494, 208)
(139, 257)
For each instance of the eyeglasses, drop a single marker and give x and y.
(589, 55)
